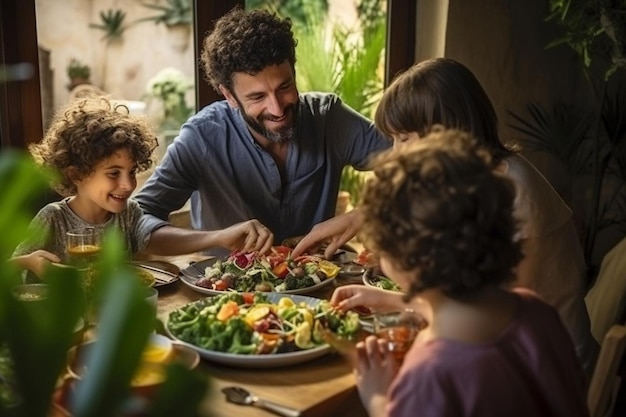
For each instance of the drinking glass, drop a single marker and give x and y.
(151, 295)
(399, 328)
(83, 246)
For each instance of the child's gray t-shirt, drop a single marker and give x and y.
(55, 219)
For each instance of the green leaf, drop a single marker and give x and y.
(41, 333)
(125, 322)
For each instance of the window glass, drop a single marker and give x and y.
(341, 47)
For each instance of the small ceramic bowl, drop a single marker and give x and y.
(159, 352)
(30, 292)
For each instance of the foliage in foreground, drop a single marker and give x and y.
(39, 334)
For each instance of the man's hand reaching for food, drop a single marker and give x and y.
(336, 232)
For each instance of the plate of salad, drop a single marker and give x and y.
(374, 277)
(259, 330)
(276, 271)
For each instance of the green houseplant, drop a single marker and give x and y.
(170, 86)
(177, 16)
(345, 61)
(78, 73)
(38, 336)
(173, 12)
(111, 23)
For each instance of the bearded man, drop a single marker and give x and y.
(266, 152)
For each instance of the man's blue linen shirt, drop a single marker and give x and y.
(230, 178)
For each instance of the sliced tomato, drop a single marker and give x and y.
(283, 250)
(275, 260)
(281, 270)
(248, 297)
(278, 255)
(367, 258)
(220, 285)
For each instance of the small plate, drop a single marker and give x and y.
(164, 273)
(373, 277)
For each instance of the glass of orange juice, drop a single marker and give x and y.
(83, 246)
(399, 328)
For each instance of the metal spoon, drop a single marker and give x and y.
(239, 395)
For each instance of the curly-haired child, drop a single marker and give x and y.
(97, 148)
(441, 220)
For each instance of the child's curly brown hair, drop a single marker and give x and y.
(437, 207)
(246, 41)
(86, 132)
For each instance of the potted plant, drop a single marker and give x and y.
(169, 86)
(78, 73)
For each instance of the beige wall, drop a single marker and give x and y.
(432, 19)
(122, 68)
(503, 43)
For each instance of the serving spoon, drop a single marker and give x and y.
(239, 395)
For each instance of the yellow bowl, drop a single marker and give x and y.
(160, 351)
(145, 277)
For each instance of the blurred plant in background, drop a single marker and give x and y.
(111, 23)
(297, 10)
(173, 12)
(170, 87)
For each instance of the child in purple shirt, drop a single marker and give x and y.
(441, 219)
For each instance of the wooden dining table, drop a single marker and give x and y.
(320, 387)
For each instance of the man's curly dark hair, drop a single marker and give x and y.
(437, 207)
(246, 41)
(87, 131)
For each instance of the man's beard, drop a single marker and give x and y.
(282, 135)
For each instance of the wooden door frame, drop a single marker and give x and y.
(20, 101)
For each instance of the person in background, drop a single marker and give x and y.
(266, 151)
(441, 220)
(97, 148)
(442, 91)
